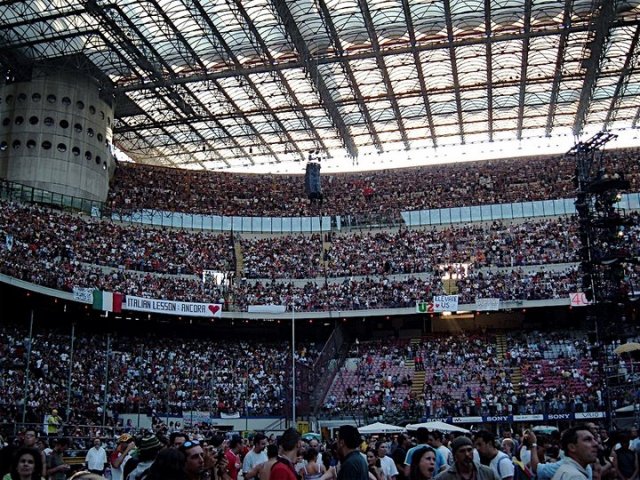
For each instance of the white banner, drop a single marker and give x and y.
(171, 307)
(84, 295)
(528, 418)
(266, 309)
(579, 299)
(230, 415)
(483, 304)
(588, 415)
(445, 303)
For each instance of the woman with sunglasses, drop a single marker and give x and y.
(423, 464)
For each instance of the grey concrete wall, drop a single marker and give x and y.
(54, 135)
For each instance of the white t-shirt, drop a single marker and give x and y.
(388, 467)
(502, 465)
(252, 459)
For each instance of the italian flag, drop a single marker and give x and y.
(107, 301)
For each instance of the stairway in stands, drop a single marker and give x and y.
(237, 249)
(501, 350)
(418, 379)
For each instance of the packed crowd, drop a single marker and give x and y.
(361, 270)
(468, 375)
(436, 186)
(583, 450)
(149, 374)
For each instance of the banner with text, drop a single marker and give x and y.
(445, 303)
(483, 304)
(82, 294)
(171, 307)
(579, 299)
(519, 418)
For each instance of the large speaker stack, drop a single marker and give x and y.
(604, 257)
(312, 186)
(602, 223)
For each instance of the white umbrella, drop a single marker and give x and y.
(380, 428)
(440, 426)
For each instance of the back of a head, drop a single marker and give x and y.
(168, 465)
(289, 440)
(350, 436)
(422, 435)
(272, 451)
(486, 436)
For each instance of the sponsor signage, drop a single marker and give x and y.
(171, 307)
(518, 418)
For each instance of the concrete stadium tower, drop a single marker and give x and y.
(55, 134)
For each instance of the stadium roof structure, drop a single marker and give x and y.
(224, 83)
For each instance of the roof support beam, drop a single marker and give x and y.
(346, 57)
(357, 93)
(523, 68)
(630, 64)
(373, 36)
(555, 88)
(593, 63)
(312, 67)
(454, 69)
(489, 61)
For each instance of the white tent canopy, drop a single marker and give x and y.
(380, 428)
(439, 426)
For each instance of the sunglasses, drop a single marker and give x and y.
(188, 444)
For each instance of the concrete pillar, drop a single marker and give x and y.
(55, 134)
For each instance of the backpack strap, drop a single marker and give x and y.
(500, 461)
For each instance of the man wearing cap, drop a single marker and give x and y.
(353, 465)
(121, 455)
(147, 452)
(464, 468)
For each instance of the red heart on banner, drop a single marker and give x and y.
(214, 308)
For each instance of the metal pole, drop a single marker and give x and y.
(106, 382)
(293, 364)
(27, 377)
(73, 334)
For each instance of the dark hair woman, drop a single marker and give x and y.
(423, 464)
(26, 465)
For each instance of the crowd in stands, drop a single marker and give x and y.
(468, 374)
(435, 186)
(507, 261)
(149, 374)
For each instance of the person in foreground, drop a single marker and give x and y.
(464, 468)
(26, 465)
(423, 464)
(353, 465)
(284, 468)
(580, 447)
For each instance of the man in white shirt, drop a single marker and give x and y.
(387, 465)
(96, 458)
(255, 458)
(500, 463)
